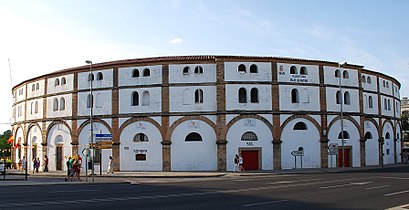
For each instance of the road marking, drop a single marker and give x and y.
(391, 177)
(346, 185)
(396, 193)
(263, 203)
(73, 191)
(377, 187)
(293, 181)
(403, 207)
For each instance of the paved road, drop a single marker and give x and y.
(373, 189)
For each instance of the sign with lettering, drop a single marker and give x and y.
(297, 153)
(298, 78)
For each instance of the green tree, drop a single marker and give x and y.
(5, 148)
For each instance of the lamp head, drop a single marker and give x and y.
(88, 62)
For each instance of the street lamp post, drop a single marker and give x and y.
(342, 117)
(91, 105)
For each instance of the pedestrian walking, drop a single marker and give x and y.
(69, 169)
(241, 161)
(38, 164)
(109, 171)
(236, 163)
(23, 163)
(45, 164)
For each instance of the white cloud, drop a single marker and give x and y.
(176, 41)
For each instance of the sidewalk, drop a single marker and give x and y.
(14, 177)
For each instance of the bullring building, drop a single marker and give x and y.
(194, 113)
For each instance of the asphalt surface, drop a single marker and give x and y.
(379, 188)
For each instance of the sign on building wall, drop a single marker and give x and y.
(298, 78)
(250, 123)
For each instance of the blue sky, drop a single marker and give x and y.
(42, 36)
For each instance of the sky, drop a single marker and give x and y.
(42, 36)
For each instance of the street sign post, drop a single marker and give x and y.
(295, 153)
(333, 150)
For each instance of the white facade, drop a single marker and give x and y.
(194, 113)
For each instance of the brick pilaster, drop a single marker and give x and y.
(324, 129)
(221, 117)
(166, 143)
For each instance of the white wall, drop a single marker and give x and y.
(182, 99)
(309, 98)
(264, 142)
(193, 155)
(176, 74)
(101, 97)
(283, 74)
(374, 109)
(293, 139)
(107, 81)
(388, 144)
(354, 140)
(35, 138)
(371, 145)
(232, 97)
(152, 148)
(373, 86)
(330, 79)
(52, 88)
(388, 88)
(59, 113)
(264, 72)
(54, 132)
(36, 92)
(398, 144)
(125, 100)
(125, 76)
(384, 110)
(31, 113)
(332, 102)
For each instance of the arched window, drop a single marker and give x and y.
(36, 107)
(62, 104)
(140, 137)
(337, 73)
(300, 126)
(33, 87)
(135, 99)
(186, 70)
(90, 101)
(37, 86)
(98, 100)
(146, 72)
(146, 98)
(363, 79)
(387, 84)
(339, 97)
(346, 135)
(187, 97)
(100, 76)
(347, 98)
(57, 82)
(199, 96)
(368, 80)
(242, 95)
(293, 70)
(55, 104)
(370, 102)
(193, 137)
(345, 74)
(303, 70)
(389, 105)
(241, 68)
(254, 95)
(385, 104)
(295, 98)
(253, 68)
(387, 135)
(249, 136)
(368, 135)
(135, 73)
(63, 81)
(31, 108)
(90, 77)
(199, 70)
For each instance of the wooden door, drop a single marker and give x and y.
(250, 160)
(59, 158)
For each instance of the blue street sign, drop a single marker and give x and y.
(103, 135)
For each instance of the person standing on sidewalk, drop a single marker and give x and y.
(236, 163)
(241, 169)
(109, 171)
(23, 164)
(69, 169)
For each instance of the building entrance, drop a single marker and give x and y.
(59, 158)
(347, 157)
(250, 160)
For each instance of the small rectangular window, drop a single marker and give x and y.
(140, 157)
